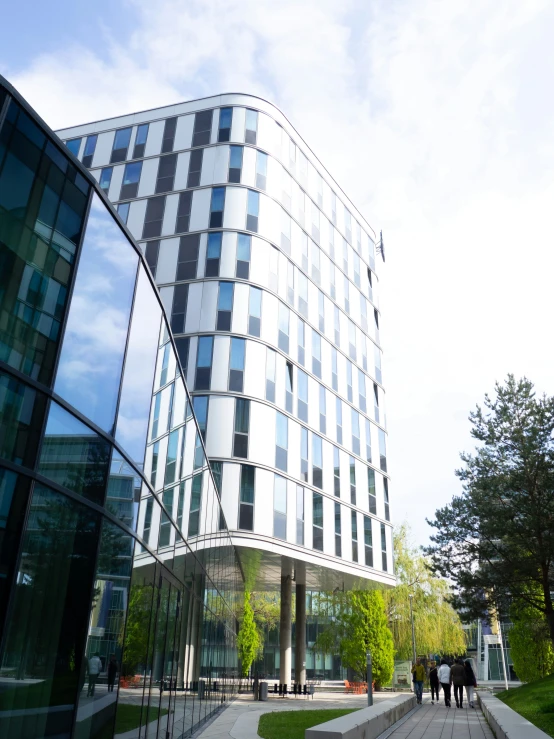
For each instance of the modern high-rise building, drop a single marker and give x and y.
(191, 406)
(267, 270)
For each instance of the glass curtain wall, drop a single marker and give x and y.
(112, 621)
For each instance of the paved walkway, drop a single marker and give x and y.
(439, 722)
(240, 719)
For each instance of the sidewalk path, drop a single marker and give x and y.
(439, 722)
(240, 719)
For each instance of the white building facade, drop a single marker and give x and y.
(269, 274)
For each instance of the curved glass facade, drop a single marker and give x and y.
(119, 581)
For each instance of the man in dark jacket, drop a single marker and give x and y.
(458, 678)
(434, 684)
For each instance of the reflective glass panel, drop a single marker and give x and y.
(123, 495)
(14, 491)
(44, 643)
(132, 173)
(214, 245)
(43, 201)
(106, 178)
(93, 348)
(253, 202)
(74, 456)
(21, 417)
(97, 706)
(243, 247)
(218, 199)
(142, 134)
(74, 145)
(138, 375)
(122, 138)
(237, 354)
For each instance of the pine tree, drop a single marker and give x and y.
(496, 540)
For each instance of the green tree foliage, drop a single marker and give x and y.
(267, 609)
(359, 625)
(138, 624)
(504, 519)
(530, 645)
(438, 629)
(248, 638)
(368, 631)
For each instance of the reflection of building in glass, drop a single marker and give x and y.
(268, 273)
(103, 607)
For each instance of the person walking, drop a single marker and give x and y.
(112, 672)
(458, 678)
(94, 669)
(418, 672)
(444, 679)
(470, 682)
(434, 683)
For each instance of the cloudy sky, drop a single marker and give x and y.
(437, 118)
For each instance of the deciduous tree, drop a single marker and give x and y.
(358, 626)
(530, 645)
(248, 638)
(438, 629)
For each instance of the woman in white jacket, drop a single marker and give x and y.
(444, 679)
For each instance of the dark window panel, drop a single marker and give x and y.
(203, 378)
(179, 308)
(166, 173)
(195, 168)
(152, 253)
(154, 217)
(169, 135)
(182, 345)
(183, 212)
(246, 517)
(187, 261)
(202, 128)
(240, 446)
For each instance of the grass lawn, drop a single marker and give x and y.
(128, 717)
(534, 701)
(293, 724)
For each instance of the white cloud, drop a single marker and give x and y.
(437, 119)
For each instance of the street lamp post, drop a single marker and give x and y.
(369, 669)
(413, 629)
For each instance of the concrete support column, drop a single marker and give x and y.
(285, 629)
(300, 647)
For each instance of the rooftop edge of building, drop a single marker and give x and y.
(191, 106)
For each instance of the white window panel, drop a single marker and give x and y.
(154, 140)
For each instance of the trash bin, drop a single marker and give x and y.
(201, 686)
(262, 694)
